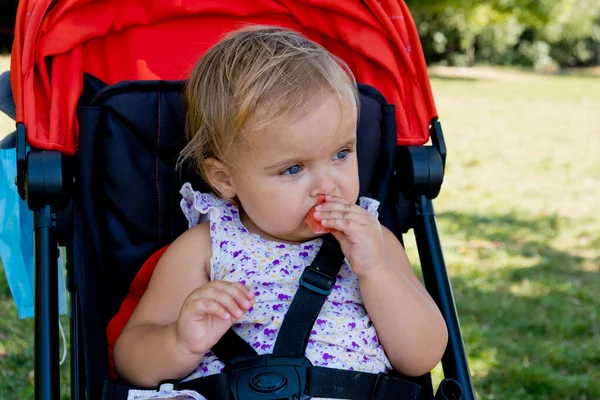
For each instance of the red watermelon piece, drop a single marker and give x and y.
(312, 223)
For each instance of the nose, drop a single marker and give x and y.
(324, 184)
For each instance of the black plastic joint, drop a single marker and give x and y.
(437, 138)
(21, 148)
(46, 181)
(268, 377)
(317, 281)
(422, 171)
(449, 389)
(421, 168)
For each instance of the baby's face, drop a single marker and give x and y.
(291, 164)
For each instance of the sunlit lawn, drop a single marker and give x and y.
(519, 217)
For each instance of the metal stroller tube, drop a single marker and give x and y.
(46, 307)
(422, 182)
(435, 275)
(43, 181)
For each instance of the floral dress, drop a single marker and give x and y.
(343, 336)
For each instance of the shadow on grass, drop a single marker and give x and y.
(529, 313)
(583, 72)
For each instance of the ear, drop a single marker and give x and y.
(220, 178)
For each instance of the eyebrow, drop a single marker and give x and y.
(350, 143)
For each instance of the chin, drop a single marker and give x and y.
(304, 236)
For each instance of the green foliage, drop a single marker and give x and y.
(539, 33)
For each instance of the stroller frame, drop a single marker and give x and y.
(46, 173)
(44, 180)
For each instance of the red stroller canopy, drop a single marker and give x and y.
(56, 41)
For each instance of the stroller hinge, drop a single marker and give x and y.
(46, 180)
(21, 159)
(422, 166)
(43, 177)
(437, 138)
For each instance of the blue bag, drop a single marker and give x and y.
(16, 241)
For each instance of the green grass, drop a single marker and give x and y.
(520, 226)
(17, 350)
(518, 215)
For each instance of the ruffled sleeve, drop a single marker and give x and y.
(369, 204)
(194, 204)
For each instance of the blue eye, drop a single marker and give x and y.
(293, 170)
(341, 155)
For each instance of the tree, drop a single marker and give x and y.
(527, 32)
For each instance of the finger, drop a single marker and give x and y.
(340, 210)
(241, 293)
(341, 206)
(226, 300)
(240, 286)
(245, 289)
(346, 214)
(204, 307)
(345, 225)
(333, 203)
(351, 223)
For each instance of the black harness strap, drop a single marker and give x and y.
(323, 382)
(316, 283)
(342, 384)
(232, 348)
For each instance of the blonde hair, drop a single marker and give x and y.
(272, 69)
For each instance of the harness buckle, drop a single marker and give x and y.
(317, 281)
(268, 377)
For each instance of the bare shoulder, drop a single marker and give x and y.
(180, 270)
(188, 250)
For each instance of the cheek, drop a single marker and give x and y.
(280, 215)
(278, 201)
(290, 202)
(351, 183)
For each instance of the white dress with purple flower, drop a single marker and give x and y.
(343, 336)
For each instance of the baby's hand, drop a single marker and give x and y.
(209, 312)
(358, 232)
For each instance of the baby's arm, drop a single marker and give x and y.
(408, 322)
(180, 316)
